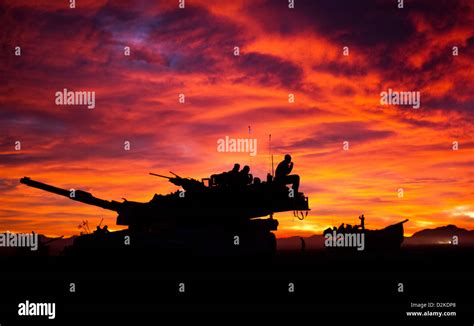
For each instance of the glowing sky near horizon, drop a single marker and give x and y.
(282, 51)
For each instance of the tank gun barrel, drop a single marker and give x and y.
(79, 195)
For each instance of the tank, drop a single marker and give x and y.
(386, 239)
(207, 217)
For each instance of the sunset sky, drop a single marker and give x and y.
(283, 51)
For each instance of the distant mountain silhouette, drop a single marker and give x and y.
(47, 246)
(441, 235)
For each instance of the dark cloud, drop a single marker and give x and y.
(194, 40)
(217, 129)
(344, 90)
(265, 115)
(364, 22)
(340, 68)
(10, 218)
(8, 184)
(366, 201)
(442, 15)
(463, 164)
(451, 102)
(82, 148)
(267, 70)
(326, 134)
(17, 121)
(431, 180)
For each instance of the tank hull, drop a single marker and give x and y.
(388, 238)
(192, 241)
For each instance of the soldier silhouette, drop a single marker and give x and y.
(228, 178)
(233, 176)
(341, 228)
(303, 244)
(245, 178)
(362, 220)
(282, 173)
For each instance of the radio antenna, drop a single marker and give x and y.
(270, 152)
(248, 142)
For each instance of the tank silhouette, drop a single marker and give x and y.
(388, 238)
(203, 217)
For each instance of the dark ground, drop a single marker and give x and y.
(327, 286)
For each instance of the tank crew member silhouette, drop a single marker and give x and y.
(233, 176)
(282, 173)
(228, 178)
(245, 178)
(362, 219)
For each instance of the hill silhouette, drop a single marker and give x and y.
(441, 235)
